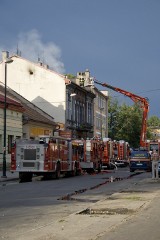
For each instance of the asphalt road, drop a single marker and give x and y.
(73, 208)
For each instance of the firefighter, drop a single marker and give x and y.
(154, 158)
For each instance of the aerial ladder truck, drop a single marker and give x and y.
(138, 159)
(137, 99)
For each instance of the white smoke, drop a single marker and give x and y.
(31, 47)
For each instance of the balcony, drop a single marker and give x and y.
(85, 127)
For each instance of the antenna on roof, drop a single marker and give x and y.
(18, 51)
(43, 57)
(39, 60)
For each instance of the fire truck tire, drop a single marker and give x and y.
(58, 170)
(25, 177)
(90, 170)
(74, 171)
(79, 172)
(99, 167)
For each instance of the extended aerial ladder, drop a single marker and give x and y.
(137, 99)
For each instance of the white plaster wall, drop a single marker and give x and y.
(44, 87)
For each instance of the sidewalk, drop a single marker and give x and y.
(9, 176)
(135, 205)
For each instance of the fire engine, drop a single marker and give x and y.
(90, 152)
(143, 104)
(123, 150)
(48, 157)
(107, 154)
(111, 151)
(52, 156)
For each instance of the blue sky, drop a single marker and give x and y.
(117, 40)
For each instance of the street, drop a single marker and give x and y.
(61, 209)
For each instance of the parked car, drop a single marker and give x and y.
(140, 160)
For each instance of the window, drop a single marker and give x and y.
(101, 102)
(98, 121)
(24, 135)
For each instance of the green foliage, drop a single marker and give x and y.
(125, 122)
(113, 109)
(153, 122)
(70, 76)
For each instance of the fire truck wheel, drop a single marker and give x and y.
(99, 168)
(58, 171)
(79, 172)
(74, 171)
(25, 177)
(90, 170)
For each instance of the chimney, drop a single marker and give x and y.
(5, 55)
(40, 63)
(46, 66)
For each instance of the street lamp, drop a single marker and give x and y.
(4, 124)
(73, 94)
(101, 109)
(72, 112)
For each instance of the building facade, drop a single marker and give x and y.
(85, 80)
(38, 84)
(80, 111)
(14, 126)
(52, 93)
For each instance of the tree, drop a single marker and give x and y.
(152, 125)
(70, 76)
(125, 122)
(154, 122)
(113, 109)
(129, 124)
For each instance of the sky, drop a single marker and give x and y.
(117, 40)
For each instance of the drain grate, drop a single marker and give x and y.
(107, 211)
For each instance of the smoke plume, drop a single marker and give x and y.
(31, 47)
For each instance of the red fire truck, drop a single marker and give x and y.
(90, 153)
(108, 154)
(137, 99)
(53, 156)
(48, 157)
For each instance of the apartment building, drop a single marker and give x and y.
(85, 80)
(71, 106)
(13, 126)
